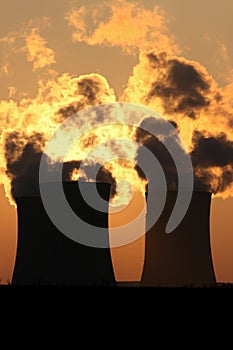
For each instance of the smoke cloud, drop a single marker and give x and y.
(181, 90)
(39, 117)
(159, 150)
(128, 25)
(173, 85)
(37, 52)
(91, 90)
(23, 157)
(179, 85)
(29, 40)
(212, 159)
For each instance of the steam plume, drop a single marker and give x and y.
(57, 98)
(121, 23)
(181, 90)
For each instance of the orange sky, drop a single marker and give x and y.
(49, 38)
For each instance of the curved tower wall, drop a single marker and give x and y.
(48, 257)
(183, 257)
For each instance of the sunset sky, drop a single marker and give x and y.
(175, 57)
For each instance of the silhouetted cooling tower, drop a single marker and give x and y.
(183, 257)
(46, 256)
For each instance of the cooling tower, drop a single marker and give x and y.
(48, 257)
(183, 257)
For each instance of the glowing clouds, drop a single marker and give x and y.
(183, 91)
(38, 118)
(212, 159)
(89, 90)
(121, 23)
(23, 156)
(29, 40)
(37, 52)
(182, 88)
(156, 145)
(176, 85)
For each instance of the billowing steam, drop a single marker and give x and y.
(183, 91)
(159, 150)
(29, 41)
(213, 161)
(56, 100)
(179, 89)
(121, 23)
(23, 165)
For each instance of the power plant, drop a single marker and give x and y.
(183, 257)
(45, 256)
